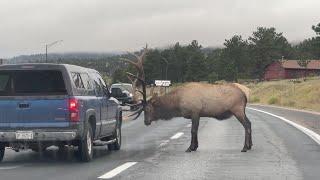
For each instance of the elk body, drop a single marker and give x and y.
(195, 100)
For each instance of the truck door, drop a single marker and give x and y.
(111, 107)
(103, 107)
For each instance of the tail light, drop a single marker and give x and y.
(74, 109)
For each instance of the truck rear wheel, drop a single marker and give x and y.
(2, 149)
(116, 135)
(39, 148)
(85, 145)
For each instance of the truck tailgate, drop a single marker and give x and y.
(33, 99)
(34, 112)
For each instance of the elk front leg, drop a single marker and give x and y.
(194, 134)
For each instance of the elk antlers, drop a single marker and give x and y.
(137, 80)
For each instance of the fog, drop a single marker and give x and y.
(121, 25)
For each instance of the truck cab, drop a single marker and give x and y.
(56, 104)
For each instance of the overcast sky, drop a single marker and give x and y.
(121, 25)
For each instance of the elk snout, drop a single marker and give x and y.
(147, 123)
(147, 119)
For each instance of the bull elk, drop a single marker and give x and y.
(192, 101)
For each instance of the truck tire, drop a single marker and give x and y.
(86, 144)
(2, 149)
(116, 135)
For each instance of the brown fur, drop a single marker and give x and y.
(195, 100)
(206, 100)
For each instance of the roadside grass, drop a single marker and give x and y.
(290, 93)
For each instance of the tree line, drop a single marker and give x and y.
(239, 58)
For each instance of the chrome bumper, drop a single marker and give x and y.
(9, 136)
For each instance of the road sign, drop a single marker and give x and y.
(163, 83)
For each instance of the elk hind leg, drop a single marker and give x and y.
(194, 134)
(243, 119)
(249, 131)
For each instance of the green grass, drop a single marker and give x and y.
(290, 93)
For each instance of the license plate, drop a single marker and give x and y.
(24, 135)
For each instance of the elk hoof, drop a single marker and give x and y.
(244, 150)
(192, 148)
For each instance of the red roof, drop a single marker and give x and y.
(293, 64)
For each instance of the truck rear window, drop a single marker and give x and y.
(38, 82)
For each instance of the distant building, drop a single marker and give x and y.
(291, 69)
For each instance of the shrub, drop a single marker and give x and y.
(255, 99)
(273, 100)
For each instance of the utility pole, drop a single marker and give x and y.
(50, 45)
(46, 53)
(282, 61)
(167, 63)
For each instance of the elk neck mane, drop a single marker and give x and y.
(167, 106)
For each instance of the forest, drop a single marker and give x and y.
(237, 59)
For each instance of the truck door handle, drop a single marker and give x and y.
(24, 105)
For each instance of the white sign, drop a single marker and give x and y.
(24, 135)
(164, 83)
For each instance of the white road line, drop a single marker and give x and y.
(310, 133)
(9, 167)
(188, 125)
(176, 136)
(117, 170)
(290, 109)
(165, 142)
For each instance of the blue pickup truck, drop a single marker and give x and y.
(56, 104)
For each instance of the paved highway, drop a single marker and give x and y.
(280, 151)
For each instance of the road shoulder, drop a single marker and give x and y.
(308, 119)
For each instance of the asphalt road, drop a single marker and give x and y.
(280, 151)
(308, 119)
